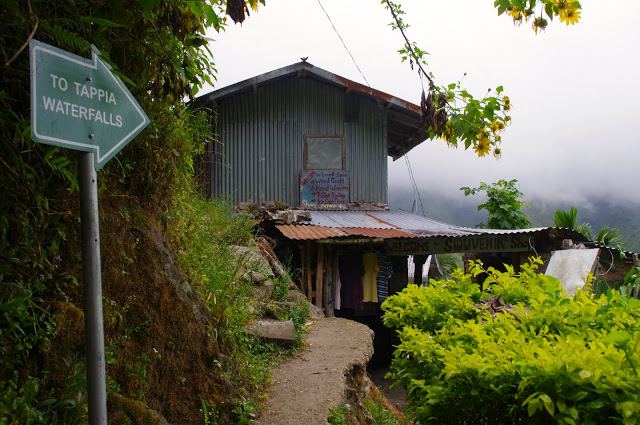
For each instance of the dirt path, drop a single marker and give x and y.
(314, 380)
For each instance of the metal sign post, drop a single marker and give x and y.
(80, 104)
(92, 285)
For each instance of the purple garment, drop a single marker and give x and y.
(351, 271)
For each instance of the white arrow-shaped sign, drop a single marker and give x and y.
(80, 104)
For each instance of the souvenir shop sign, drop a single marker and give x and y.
(324, 189)
(442, 245)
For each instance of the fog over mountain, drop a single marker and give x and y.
(453, 207)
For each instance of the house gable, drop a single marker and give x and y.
(259, 149)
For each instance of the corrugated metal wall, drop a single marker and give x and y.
(260, 142)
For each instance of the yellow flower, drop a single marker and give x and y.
(448, 130)
(497, 153)
(527, 14)
(539, 24)
(571, 17)
(506, 103)
(563, 7)
(516, 14)
(495, 127)
(483, 145)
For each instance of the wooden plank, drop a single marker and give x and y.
(303, 271)
(319, 275)
(418, 260)
(307, 266)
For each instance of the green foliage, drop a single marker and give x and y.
(608, 237)
(449, 263)
(379, 414)
(631, 283)
(569, 219)
(339, 416)
(245, 411)
(524, 10)
(629, 287)
(553, 359)
(605, 236)
(298, 313)
(159, 49)
(281, 288)
(209, 413)
(208, 229)
(503, 205)
(452, 113)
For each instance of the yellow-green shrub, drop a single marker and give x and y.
(556, 359)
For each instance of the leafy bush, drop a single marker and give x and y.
(552, 359)
(503, 205)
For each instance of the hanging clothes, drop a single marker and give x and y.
(337, 285)
(371, 269)
(351, 271)
(382, 282)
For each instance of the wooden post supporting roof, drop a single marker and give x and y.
(319, 275)
(307, 267)
(303, 269)
(418, 260)
(325, 283)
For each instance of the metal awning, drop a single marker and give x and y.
(406, 233)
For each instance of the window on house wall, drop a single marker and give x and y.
(324, 153)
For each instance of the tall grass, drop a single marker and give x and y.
(208, 230)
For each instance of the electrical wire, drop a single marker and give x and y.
(610, 266)
(414, 184)
(343, 43)
(411, 177)
(533, 248)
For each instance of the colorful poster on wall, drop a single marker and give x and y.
(326, 189)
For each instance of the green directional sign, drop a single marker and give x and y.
(80, 104)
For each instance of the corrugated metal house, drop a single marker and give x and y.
(312, 139)
(273, 130)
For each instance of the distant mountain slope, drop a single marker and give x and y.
(462, 211)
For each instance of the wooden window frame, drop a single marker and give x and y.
(324, 136)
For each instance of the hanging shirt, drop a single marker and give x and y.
(382, 282)
(351, 271)
(371, 269)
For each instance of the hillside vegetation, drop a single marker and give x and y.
(174, 308)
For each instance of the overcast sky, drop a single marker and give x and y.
(575, 130)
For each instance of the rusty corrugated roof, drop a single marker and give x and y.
(376, 233)
(297, 232)
(385, 224)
